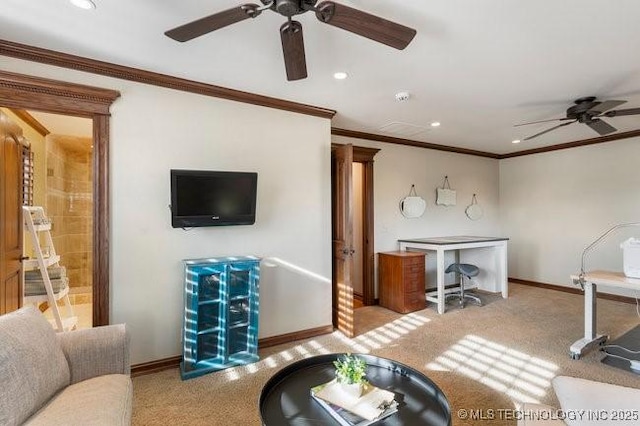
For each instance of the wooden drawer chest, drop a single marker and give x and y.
(401, 278)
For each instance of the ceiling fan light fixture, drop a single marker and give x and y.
(83, 4)
(340, 75)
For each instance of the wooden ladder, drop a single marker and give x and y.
(36, 223)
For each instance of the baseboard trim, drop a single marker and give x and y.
(296, 335)
(614, 297)
(174, 361)
(155, 366)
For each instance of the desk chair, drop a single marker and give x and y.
(464, 270)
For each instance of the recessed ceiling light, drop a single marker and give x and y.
(340, 75)
(516, 141)
(435, 124)
(83, 4)
(402, 96)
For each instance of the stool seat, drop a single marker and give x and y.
(464, 269)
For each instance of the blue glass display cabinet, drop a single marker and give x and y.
(220, 327)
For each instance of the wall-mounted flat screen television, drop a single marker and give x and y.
(212, 198)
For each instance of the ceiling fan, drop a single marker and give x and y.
(588, 111)
(328, 12)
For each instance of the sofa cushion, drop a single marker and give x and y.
(32, 365)
(100, 401)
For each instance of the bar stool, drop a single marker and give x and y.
(464, 270)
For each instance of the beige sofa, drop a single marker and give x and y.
(585, 402)
(73, 378)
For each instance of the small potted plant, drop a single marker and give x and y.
(351, 374)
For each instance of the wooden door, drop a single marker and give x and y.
(10, 215)
(342, 230)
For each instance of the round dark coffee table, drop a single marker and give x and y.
(285, 399)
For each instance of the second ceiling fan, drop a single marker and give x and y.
(589, 111)
(345, 17)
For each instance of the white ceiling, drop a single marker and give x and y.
(478, 67)
(64, 124)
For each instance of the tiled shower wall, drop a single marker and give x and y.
(69, 205)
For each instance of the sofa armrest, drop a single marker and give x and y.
(602, 403)
(96, 351)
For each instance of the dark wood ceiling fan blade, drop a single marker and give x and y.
(213, 22)
(542, 121)
(601, 127)
(365, 24)
(606, 106)
(619, 112)
(548, 130)
(293, 49)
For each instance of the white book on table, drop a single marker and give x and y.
(373, 405)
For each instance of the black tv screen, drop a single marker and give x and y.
(212, 198)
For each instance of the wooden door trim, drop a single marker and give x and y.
(27, 92)
(35, 93)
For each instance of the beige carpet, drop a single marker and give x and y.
(489, 357)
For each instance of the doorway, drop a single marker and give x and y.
(39, 94)
(357, 277)
(58, 181)
(354, 261)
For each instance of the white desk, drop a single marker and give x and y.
(440, 245)
(591, 282)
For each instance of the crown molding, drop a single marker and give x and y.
(64, 60)
(409, 142)
(575, 144)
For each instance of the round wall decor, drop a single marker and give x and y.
(412, 206)
(473, 210)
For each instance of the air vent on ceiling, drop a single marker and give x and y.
(404, 130)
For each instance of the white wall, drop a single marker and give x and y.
(154, 130)
(549, 205)
(397, 167)
(555, 204)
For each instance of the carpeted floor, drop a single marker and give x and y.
(489, 357)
